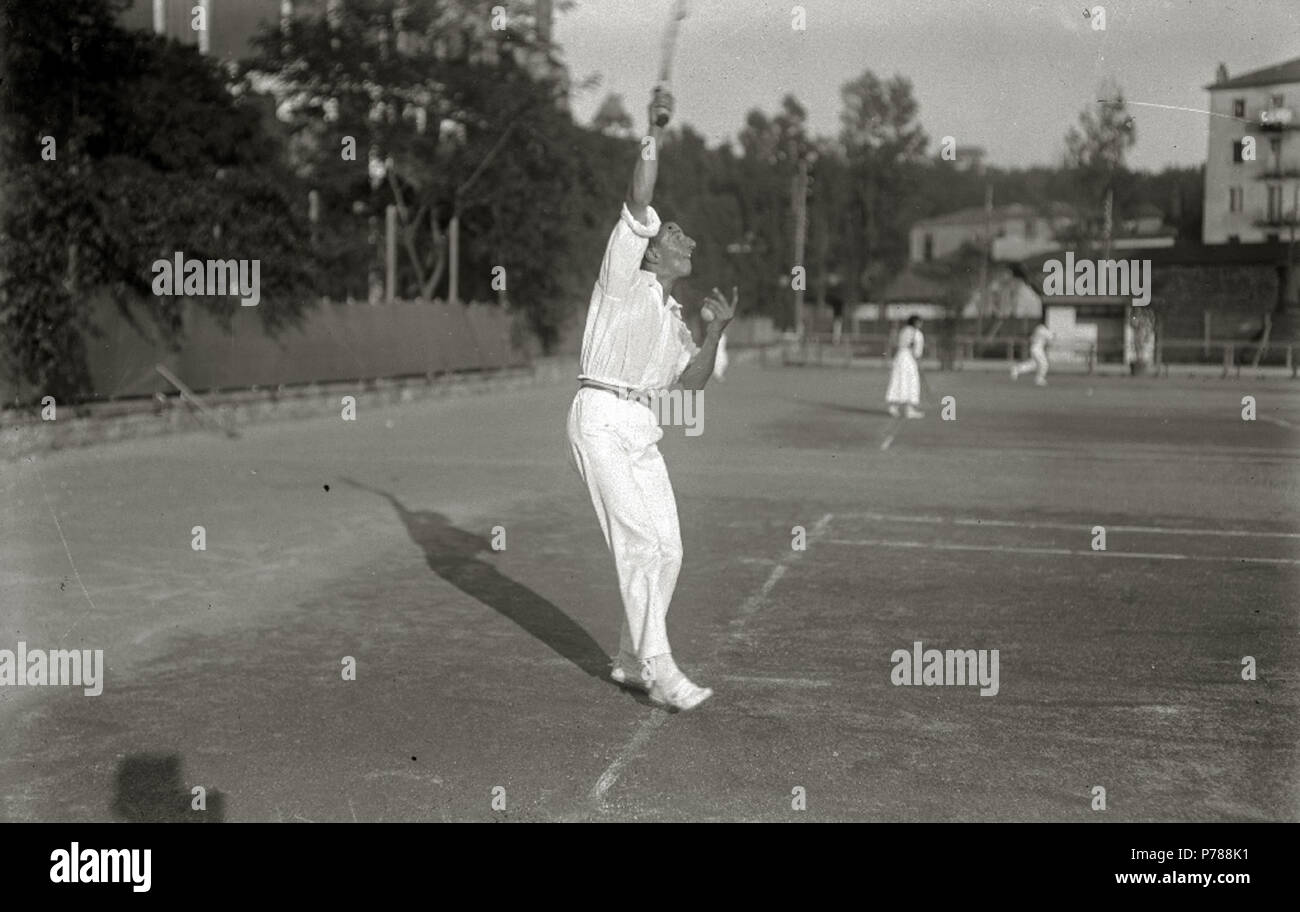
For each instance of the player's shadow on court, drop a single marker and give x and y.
(148, 788)
(453, 554)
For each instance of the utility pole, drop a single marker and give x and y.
(205, 33)
(1290, 250)
(453, 229)
(984, 260)
(390, 253)
(313, 215)
(453, 253)
(800, 195)
(1108, 217)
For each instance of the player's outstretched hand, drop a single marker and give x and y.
(722, 311)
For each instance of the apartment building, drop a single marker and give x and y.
(232, 24)
(1252, 169)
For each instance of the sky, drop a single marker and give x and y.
(1008, 75)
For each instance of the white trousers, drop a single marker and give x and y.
(613, 443)
(1037, 358)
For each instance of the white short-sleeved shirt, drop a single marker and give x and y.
(633, 338)
(1042, 335)
(911, 340)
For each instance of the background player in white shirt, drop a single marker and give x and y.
(635, 341)
(905, 375)
(1037, 354)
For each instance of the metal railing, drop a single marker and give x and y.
(1230, 354)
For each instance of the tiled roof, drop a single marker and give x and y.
(1273, 75)
(975, 214)
(907, 287)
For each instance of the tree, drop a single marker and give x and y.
(880, 137)
(151, 156)
(764, 187)
(451, 117)
(1094, 156)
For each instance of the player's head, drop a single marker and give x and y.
(914, 321)
(669, 253)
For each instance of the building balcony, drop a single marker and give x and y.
(1278, 174)
(1279, 119)
(1277, 220)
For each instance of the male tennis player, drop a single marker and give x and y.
(635, 342)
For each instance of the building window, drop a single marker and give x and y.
(1275, 144)
(929, 248)
(1277, 100)
(1234, 199)
(1238, 107)
(1274, 203)
(1234, 239)
(1237, 145)
(1273, 238)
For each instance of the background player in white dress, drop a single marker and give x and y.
(635, 341)
(1037, 354)
(905, 377)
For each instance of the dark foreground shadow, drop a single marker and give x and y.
(453, 554)
(148, 789)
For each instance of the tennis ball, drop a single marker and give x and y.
(707, 313)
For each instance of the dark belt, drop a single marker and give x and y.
(622, 392)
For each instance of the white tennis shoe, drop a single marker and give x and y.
(680, 694)
(626, 673)
(671, 689)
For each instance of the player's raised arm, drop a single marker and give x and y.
(641, 191)
(638, 223)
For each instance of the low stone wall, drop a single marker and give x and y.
(23, 433)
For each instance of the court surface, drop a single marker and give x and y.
(481, 673)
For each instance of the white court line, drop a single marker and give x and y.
(1011, 523)
(1012, 549)
(647, 728)
(888, 441)
(67, 550)
(658, 717)
(752, 603)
